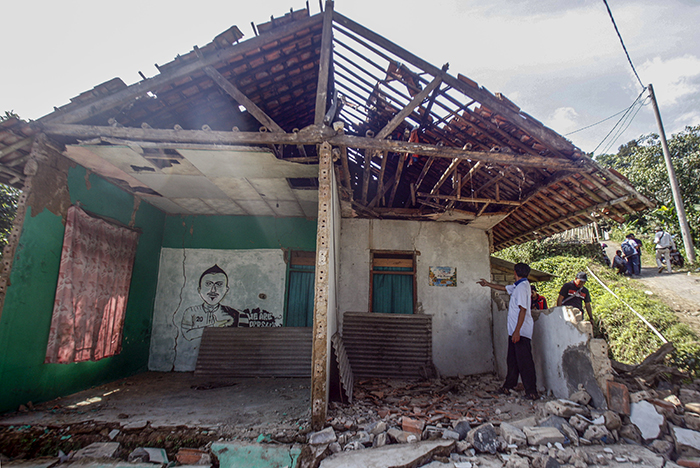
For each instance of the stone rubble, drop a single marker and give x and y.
(466, 422)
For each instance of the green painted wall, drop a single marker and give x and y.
(26, 318)
(239, 232)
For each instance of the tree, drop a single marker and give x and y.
(8, 198)
(642, 162)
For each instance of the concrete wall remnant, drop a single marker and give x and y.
(460, 319)
(566, 355)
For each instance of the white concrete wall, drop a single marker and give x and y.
(462, 334)
(250, 273)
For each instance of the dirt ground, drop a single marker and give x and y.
(679, 290)
(175, 410)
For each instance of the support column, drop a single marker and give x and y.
(320, 354)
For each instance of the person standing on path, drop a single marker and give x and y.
(663, 240)
(520, 327)
(575, 294)
(631, 251)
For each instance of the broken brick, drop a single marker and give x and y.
(412, 425)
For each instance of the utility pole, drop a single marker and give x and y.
(675, 189)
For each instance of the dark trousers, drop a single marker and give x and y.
(520, 363)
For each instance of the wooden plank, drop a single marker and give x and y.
(451, 168)
(309, 136)
(15, 146)
(393, 262)
(366, 175)
(320, 372)
(242, 99)
(136, 90)
(397, 179)
(469, 199)
(325, 64)
(415, 102)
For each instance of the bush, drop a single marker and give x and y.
(629, 339)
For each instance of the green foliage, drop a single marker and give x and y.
(642, 162)
(537, 250)
(629, 339)
(8, 208)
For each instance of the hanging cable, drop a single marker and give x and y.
(620, 122)
(623, 129)
(597, 123)
(623, 44)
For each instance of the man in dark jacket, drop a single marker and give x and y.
(538, 302)
(575, 294)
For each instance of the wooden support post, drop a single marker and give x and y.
(324, 66)
(367, 175)
(397, 179)
(320, 355)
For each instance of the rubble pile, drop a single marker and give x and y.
(660, 424)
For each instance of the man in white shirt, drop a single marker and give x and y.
(663, 240)
(520, 325)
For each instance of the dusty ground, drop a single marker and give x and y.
(680, 290)
(174, 410)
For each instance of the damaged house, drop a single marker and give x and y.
(274, 206)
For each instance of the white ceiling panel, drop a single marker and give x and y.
(225, 207)
(238, 189)
(124, 157)
(256, 208)
(165, 204)
(287, 208)
(273, 189)
(86, 158)
(246, 164)
(195, 205)
(179, 186)
(310, 208)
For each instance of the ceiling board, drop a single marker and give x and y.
(180, 186)
(246, 164)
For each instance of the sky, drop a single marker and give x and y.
(559, 60)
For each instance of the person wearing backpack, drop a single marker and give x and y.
(663, 241)
(632, 254)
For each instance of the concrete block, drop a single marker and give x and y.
(234, 454)
(687, 441)
(412, 455)
(513, 435)
(484, 438)
(97, 450)
(612, 420)
(543, 435)
(325, 436)
(644, 415)
(580, 423)
(692, 421)
(582, 397)
(631, 433)
(636, 397)
(377, 428)
(564, 408)
(403, 437)
(380, 440)
(598, 433)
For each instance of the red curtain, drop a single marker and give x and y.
(93, 287)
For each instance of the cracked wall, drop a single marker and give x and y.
(461, 318)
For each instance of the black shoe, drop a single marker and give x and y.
(661, 269)
(532, 396)
(502, 391)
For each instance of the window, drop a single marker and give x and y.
(392, 282)
(300, 289)
(93, 287)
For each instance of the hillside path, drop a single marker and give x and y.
(679, 290)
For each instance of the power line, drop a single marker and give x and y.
(620, 122)
(623, 43)
(597, 123)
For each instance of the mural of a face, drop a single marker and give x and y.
(214, 287)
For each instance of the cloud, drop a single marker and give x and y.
(674, 79)
(563, 120)
(688, 119)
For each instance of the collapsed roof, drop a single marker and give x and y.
(233, 128)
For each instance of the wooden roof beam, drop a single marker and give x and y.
(415, 102)
(324, 68)
(243, 100)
